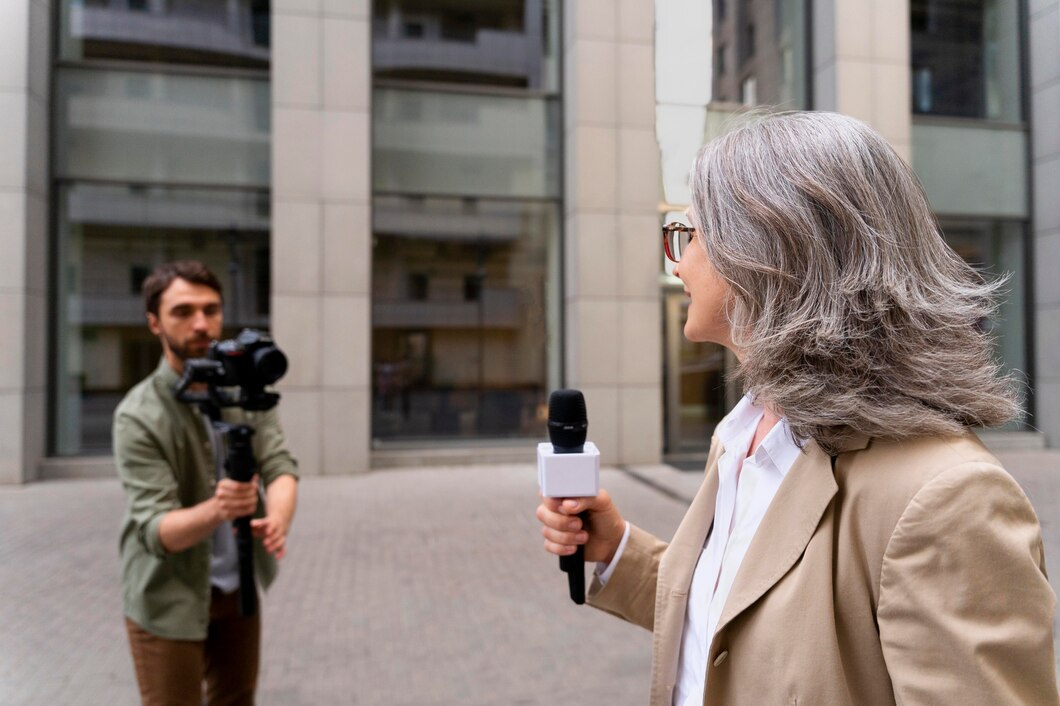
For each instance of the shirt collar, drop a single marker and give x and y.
(737, 429)
(167, 374)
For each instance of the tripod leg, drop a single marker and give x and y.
(248, 594)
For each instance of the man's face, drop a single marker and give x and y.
(189, 318)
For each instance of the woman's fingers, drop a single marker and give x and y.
(559, 549)
(570, 538)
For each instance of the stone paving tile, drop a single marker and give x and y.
(401, 587)
(425, 587)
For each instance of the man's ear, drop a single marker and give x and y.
(153, 325)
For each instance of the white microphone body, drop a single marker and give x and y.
(568, 475)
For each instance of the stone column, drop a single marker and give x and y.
(25, 61)
(612, 187)
(861, 64)
(1044, 88)
(321, 230)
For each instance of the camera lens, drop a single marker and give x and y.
(270, 364)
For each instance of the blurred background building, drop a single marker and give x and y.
(445, 209)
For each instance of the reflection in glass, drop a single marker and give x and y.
(995, 248)
(429, 142)
(697, 396)
(767, 40)
(510, 43)
(110, 238)
(965, 58)
(156, 127)
(231, 33)
(463, 306)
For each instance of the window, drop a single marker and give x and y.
(465, 218)
(996, 248)
(151, 165)
(111, 237)
(508, 43)
(480, 367)
(233, 33)
(965, 58)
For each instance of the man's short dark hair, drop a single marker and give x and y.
(189, 270)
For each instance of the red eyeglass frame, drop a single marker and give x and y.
(667, 232)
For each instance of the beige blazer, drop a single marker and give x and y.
(913, 574)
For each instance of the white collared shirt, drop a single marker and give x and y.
(746, 487)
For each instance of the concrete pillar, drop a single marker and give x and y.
(25, 61)
(861, 64)
(1044, 88)
(612, 186)
(321, 229)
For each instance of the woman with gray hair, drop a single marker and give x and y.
(853, 542)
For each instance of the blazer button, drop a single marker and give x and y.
(721, 657)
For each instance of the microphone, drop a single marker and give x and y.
(569, 467)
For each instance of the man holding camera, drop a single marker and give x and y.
(179, 558)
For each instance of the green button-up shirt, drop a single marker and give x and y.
(166, 462)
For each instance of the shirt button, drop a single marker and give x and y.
(721, 657)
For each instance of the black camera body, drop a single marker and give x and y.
(246, 364)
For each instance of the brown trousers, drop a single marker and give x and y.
(171, 672)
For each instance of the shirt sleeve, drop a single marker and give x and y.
(604, 570)
(630, 590)
(965, 611)
(274, 459)
(150, 485)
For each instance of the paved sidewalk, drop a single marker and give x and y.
(401, 587)
(424, 586)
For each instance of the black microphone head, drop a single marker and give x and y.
(567, 421)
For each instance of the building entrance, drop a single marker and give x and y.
(696, 395)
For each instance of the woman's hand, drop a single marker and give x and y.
(563, 530)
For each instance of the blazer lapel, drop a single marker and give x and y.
(790, 521)
(675, 576)
(688, 540)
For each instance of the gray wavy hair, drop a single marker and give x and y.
(851, 312)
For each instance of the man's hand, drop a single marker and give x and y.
(563, 531)
(273, 533)
(184, 528)
(233, 499)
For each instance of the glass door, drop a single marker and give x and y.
(696, 395)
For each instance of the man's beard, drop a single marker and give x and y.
(184, 351)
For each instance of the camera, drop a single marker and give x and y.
(236, 372)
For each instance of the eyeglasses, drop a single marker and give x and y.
(676, 238)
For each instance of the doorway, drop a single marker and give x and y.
(696, 394)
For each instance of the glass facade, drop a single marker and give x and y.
(996, 248)
(466, 218)
(965, 63)
(162, 152)
(760, 52)
(232, 33)
(966, 58)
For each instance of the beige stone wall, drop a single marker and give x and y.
(861, 64)
(613, 343)
(25, 62)
(321, 234)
